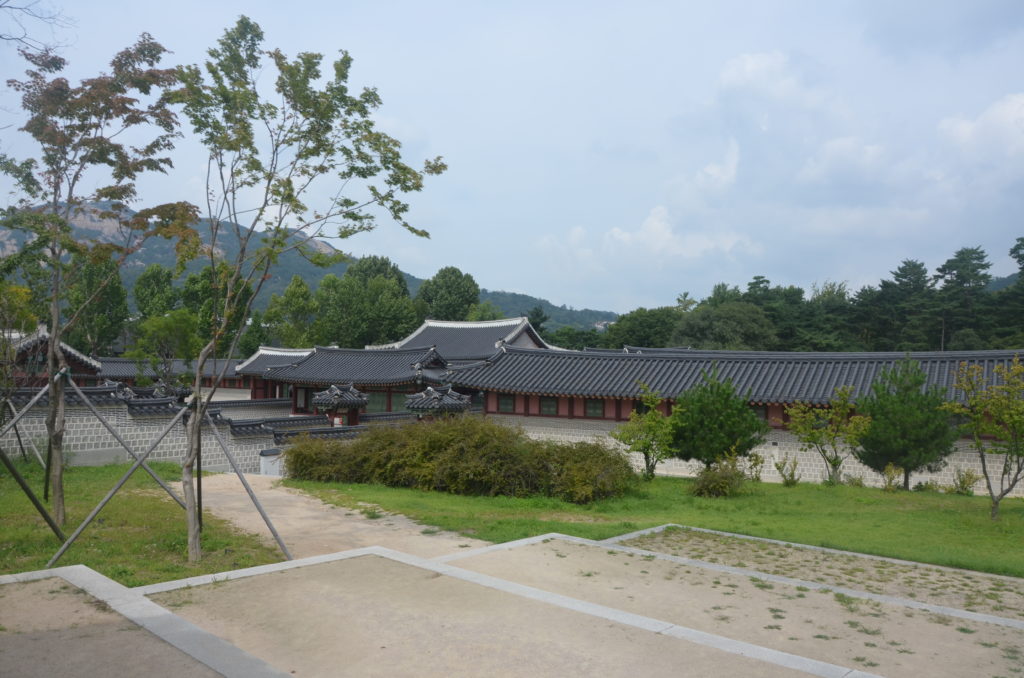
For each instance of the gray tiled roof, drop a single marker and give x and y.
(274, 424)
(128, 368)
(326, 366)
(440, 399)
(24, 343)
(770, 377)
(470, 340)
(270, 356)
(340, 397)
(333, 433)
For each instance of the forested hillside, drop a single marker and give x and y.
(292, 264)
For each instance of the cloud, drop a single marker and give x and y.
(840, 158)
(771, 75)
(657, 241)
(998, 130)
(716, 177)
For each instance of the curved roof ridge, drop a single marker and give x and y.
(272, 350)
(449, 324)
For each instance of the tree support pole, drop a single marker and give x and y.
(120, 440)
(32, 497)
(21, 445)
(245, 484)
(110, 495)
(17, 417)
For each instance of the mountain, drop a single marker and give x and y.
(513, 304)
(159, 251)
(998, 283)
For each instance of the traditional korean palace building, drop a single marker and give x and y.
(606, 385)
(521, 376)
(30, 369)
(467, 341)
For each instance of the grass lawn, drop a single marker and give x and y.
(925, 527)
(139, 537)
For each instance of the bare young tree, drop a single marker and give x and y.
(21, 19)
(274, 148)
(78, 130)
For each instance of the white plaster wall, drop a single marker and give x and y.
(777, 446)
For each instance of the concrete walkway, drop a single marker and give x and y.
(441, 605)
(310, 527)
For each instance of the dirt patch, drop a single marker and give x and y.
(370, 616)
(971, 591)
(890, 640)
(51, 628)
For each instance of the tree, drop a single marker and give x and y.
(711, 420)
(909, 429)
(81, 133)
(831, 431)
(20, 13)
(16, 320)
(204, 294)
(730, 325)
(449, 294)
(289, 318)
(643, 327)
(154, 292)
(484, 311)
(162, 339)
(268, 157)
(537, 317)
(97, 285)
(373, 266)
(573, 338)
(994, 408)
(355, 314)
(962, 296)
(647, 432)
(255, 335)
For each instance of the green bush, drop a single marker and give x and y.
(787, 469)
(465, 455)
(963, 482)
(723, 478)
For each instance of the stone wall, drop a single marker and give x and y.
(88, 442)
(778, 446)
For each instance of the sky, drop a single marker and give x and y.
(614, 155)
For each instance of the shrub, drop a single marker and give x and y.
(585, 471)
(723, 478)
(891, 476)
(755, 464)
(963, 482)
(851, 480)
(787, 469)
(465, 455)
(928, 486)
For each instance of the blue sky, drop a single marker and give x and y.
(612, 156)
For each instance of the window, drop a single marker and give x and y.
(377, 401)
(506, 402)
(593, 407)
(549, 406)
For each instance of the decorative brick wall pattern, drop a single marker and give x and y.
(777, 446)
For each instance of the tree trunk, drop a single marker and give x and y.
(906, 480)
(194, 433)
(994, 511)
(195, 549)
(55, 432)
(55, 408)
